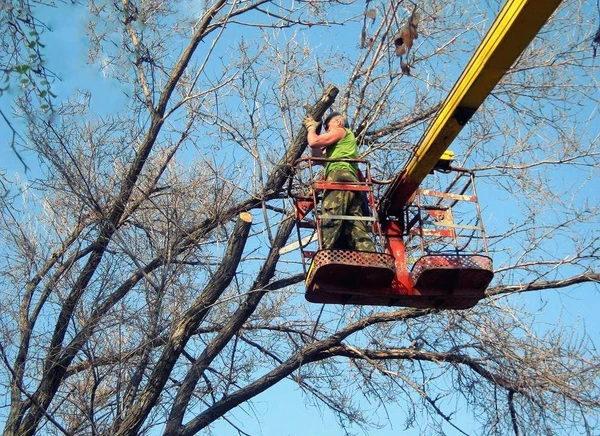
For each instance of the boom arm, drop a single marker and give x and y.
(516, 25)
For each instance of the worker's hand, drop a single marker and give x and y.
(310, 123)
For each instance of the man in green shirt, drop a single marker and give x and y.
(339, 143)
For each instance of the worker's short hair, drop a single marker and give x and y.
(333, 115)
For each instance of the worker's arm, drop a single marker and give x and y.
(326, 139)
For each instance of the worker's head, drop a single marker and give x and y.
(335, 119)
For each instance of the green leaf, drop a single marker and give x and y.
(22, 69)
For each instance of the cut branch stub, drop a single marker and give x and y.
(246, 217)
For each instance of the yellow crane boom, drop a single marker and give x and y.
(516, 25)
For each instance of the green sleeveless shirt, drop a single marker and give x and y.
(345, 148)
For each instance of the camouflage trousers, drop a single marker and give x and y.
(344, 234)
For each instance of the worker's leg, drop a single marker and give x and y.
(335, 203)
(356, 231)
